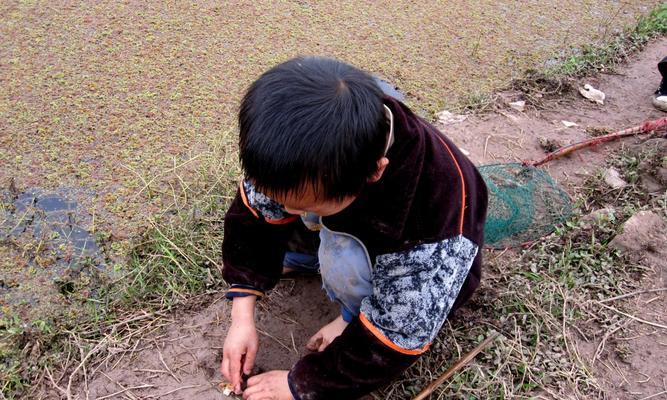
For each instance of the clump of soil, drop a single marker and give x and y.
(550, 145)
(652, 171)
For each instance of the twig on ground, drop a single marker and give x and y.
(159, 353)
(53, 382)
(623, 296)
(458, 365)
(159, 396)
(643, 321)
(654, 395)
(293, 343)
(99, 346)
(274, 338)
(127, 389)
(159, 371)
(603, 341)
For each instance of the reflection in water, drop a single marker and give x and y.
(49, 216)
(43, 229)
(389, 89)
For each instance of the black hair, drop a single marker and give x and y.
(312, 121)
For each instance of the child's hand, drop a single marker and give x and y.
(241, 343)
(326, 335)
(268, 386)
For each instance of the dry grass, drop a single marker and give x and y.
(175, 260)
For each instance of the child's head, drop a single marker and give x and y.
(313, 132)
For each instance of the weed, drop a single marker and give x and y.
(476, 103)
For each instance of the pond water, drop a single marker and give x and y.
(43, 230)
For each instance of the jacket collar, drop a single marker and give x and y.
(379, 214)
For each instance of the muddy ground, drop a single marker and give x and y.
(181, 359)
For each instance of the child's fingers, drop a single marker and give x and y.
(323, 345)
(254, 392)
(235, 372)
(314, 342)
(249, 361)
(224, 368)
(253, 389)
(254, 380)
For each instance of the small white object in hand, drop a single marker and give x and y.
(227, 389)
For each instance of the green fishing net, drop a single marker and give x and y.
(525, 204)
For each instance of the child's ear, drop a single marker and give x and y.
(381, 166)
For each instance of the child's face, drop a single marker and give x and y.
(306, 201)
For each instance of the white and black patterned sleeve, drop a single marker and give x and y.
(414, 290)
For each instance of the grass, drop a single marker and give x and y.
(604, 57)
(176, 260)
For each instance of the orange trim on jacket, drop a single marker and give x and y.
(242, 290)
(463, 185)
(382, 338)
(283, 221)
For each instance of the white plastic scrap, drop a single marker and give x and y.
(569, 124)
(448, 118)
(592, 94)
(227, 388)
(518, 105)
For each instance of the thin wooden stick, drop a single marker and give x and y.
(462, 362)
(646, 127)
(623, 296)
(643, 321)
(125, 389)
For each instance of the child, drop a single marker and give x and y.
(400, 215)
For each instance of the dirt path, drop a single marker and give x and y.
(182, 360)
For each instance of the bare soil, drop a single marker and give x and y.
(182, 359)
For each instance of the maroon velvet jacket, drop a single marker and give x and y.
(430, 201)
